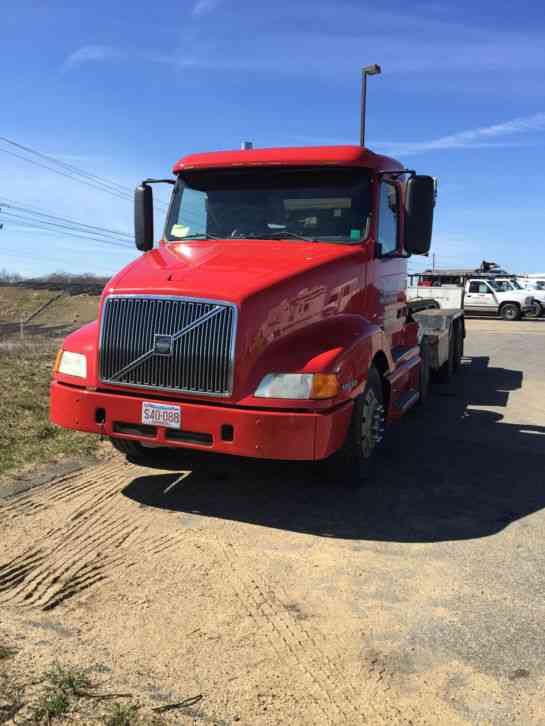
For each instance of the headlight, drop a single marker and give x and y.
(72, 364)
(298, 386)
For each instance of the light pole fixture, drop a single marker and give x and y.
(373, 70)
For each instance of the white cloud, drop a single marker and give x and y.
(474, 138)
(202, 7)
(92, 54)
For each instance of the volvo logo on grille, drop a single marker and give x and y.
(163, 345)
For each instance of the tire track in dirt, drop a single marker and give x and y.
(336, 695)
(100, 532)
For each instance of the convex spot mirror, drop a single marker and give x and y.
(419, 204)
(143, 217)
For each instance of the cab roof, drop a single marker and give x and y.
(342, 156)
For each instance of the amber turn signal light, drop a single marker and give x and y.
(57, 361)
(324, 385)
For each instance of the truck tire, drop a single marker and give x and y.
(131, 449)
(510, 311)
(425, 372)
(536, 312)
(355, 461)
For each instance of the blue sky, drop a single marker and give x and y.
(124, 89)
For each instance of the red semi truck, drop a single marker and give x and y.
(271, 319)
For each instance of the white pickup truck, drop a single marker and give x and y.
(508, 283)
(479, 296)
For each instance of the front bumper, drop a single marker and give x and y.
(260, 433)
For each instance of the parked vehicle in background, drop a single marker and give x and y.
(477, 295)
(532, 282)
(511, 283)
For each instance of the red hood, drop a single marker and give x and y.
(223, 269)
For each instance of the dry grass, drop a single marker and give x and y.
(27, 438)
(63, 694)
(19, 303)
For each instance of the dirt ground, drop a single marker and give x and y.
(282, 599)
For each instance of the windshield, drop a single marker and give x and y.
(330, 205)
(500, 285)
(516, 285)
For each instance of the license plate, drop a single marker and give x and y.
(159, 414)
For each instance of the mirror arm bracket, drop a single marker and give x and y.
(158, 181)
(397, 172)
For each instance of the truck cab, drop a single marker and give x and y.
(271, 318)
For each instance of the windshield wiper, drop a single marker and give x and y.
(277, 235)
(198, 235)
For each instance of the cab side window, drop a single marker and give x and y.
(387, 232)
(480, 287)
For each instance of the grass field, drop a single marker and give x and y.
(27, 438)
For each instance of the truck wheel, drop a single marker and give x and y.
(535, 312)
(132, 449)
(355, 460)
(510, 311)
(425, 372)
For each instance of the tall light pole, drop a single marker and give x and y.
(373, 70)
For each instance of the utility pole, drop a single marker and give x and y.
(433, 262)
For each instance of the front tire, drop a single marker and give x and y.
(356, 459)
(131, 449)
(536, 311)
(510, 311)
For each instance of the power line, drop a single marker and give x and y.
(71, 171)
(64, 164)
(73, 177)
(13, 204)
(87, 238)
(72, 232)
(75, 227)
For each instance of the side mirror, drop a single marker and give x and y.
(419, 204)
(143, 217)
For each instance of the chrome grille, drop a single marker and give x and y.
(169, 343)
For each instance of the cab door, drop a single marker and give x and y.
(480, 298)
(392, 266)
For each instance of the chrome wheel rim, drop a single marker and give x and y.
(372, 423)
